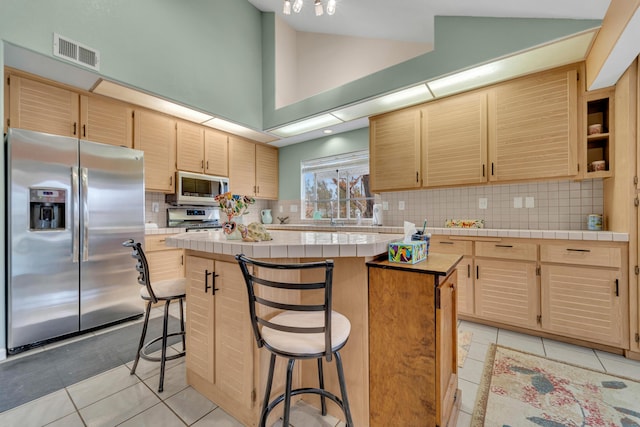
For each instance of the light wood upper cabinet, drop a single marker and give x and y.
(454, 140)
(155, 134)
(266, 172)
(533, 127)
(37, 106)
(599, 106)
(190, 147)
(106, 121)
(394, 151)
(216, 153)
(253, 169)
(202, 150)
(242, 166)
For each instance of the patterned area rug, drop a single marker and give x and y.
(520, 389)
(464, 342)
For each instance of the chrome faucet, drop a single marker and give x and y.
(333, 221)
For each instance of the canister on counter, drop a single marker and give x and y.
(594, 222)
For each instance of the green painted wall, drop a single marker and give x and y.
(290, 157)
(460, 42)
(202, 53)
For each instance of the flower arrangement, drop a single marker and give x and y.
(233, 205)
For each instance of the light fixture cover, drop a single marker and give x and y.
(319, 8)
(297, 6)
(287, 7)
(331, 7)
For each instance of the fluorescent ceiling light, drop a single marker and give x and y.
(133, 96)
(382, 104)
(136, 97)
(303, 126)
(552, 55)
(236, 129)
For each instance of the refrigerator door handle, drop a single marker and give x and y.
(84, 186)
(76, 214)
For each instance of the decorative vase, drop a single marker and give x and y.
(265, 215)
(231, 231)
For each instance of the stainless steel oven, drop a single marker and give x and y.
(197, 189)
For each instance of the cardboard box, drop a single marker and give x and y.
(408, 253)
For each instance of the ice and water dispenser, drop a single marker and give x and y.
(47, 208)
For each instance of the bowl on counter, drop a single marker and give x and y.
(594, 129)
(598, 165)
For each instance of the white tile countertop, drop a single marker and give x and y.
(289, 244)
(609, 236)
(485, 232)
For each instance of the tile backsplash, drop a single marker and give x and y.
(160, 217)
(556, 205)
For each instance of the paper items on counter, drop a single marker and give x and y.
(409, 229)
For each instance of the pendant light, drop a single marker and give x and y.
(318, 7)
(331, 7)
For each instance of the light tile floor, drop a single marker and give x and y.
(116, 398)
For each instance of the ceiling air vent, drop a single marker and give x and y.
(75, 52)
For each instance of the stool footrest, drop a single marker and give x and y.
(298, 391)
(145, 356)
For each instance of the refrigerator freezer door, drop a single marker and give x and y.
(112, 182)
(42, 277)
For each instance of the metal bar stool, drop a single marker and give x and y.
(164, 290)
(296, 331)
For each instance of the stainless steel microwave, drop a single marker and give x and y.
(197, 189)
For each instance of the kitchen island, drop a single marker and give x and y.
(223, 362)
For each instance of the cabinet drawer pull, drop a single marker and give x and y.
(477, 271)
(578, 250)
(162, 240)
(504, 246)
(469, 270)
(207, 273)
(617, 288)
(483, 169)
(446, 243)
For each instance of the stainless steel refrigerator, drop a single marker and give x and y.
(70, 205)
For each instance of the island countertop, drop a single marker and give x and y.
(289, 244)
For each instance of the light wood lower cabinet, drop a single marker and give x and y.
(506, 291)
(413, 370)
(576, 290)
(220, 343)
(585, 292)
(164, 262)
(465, 268)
